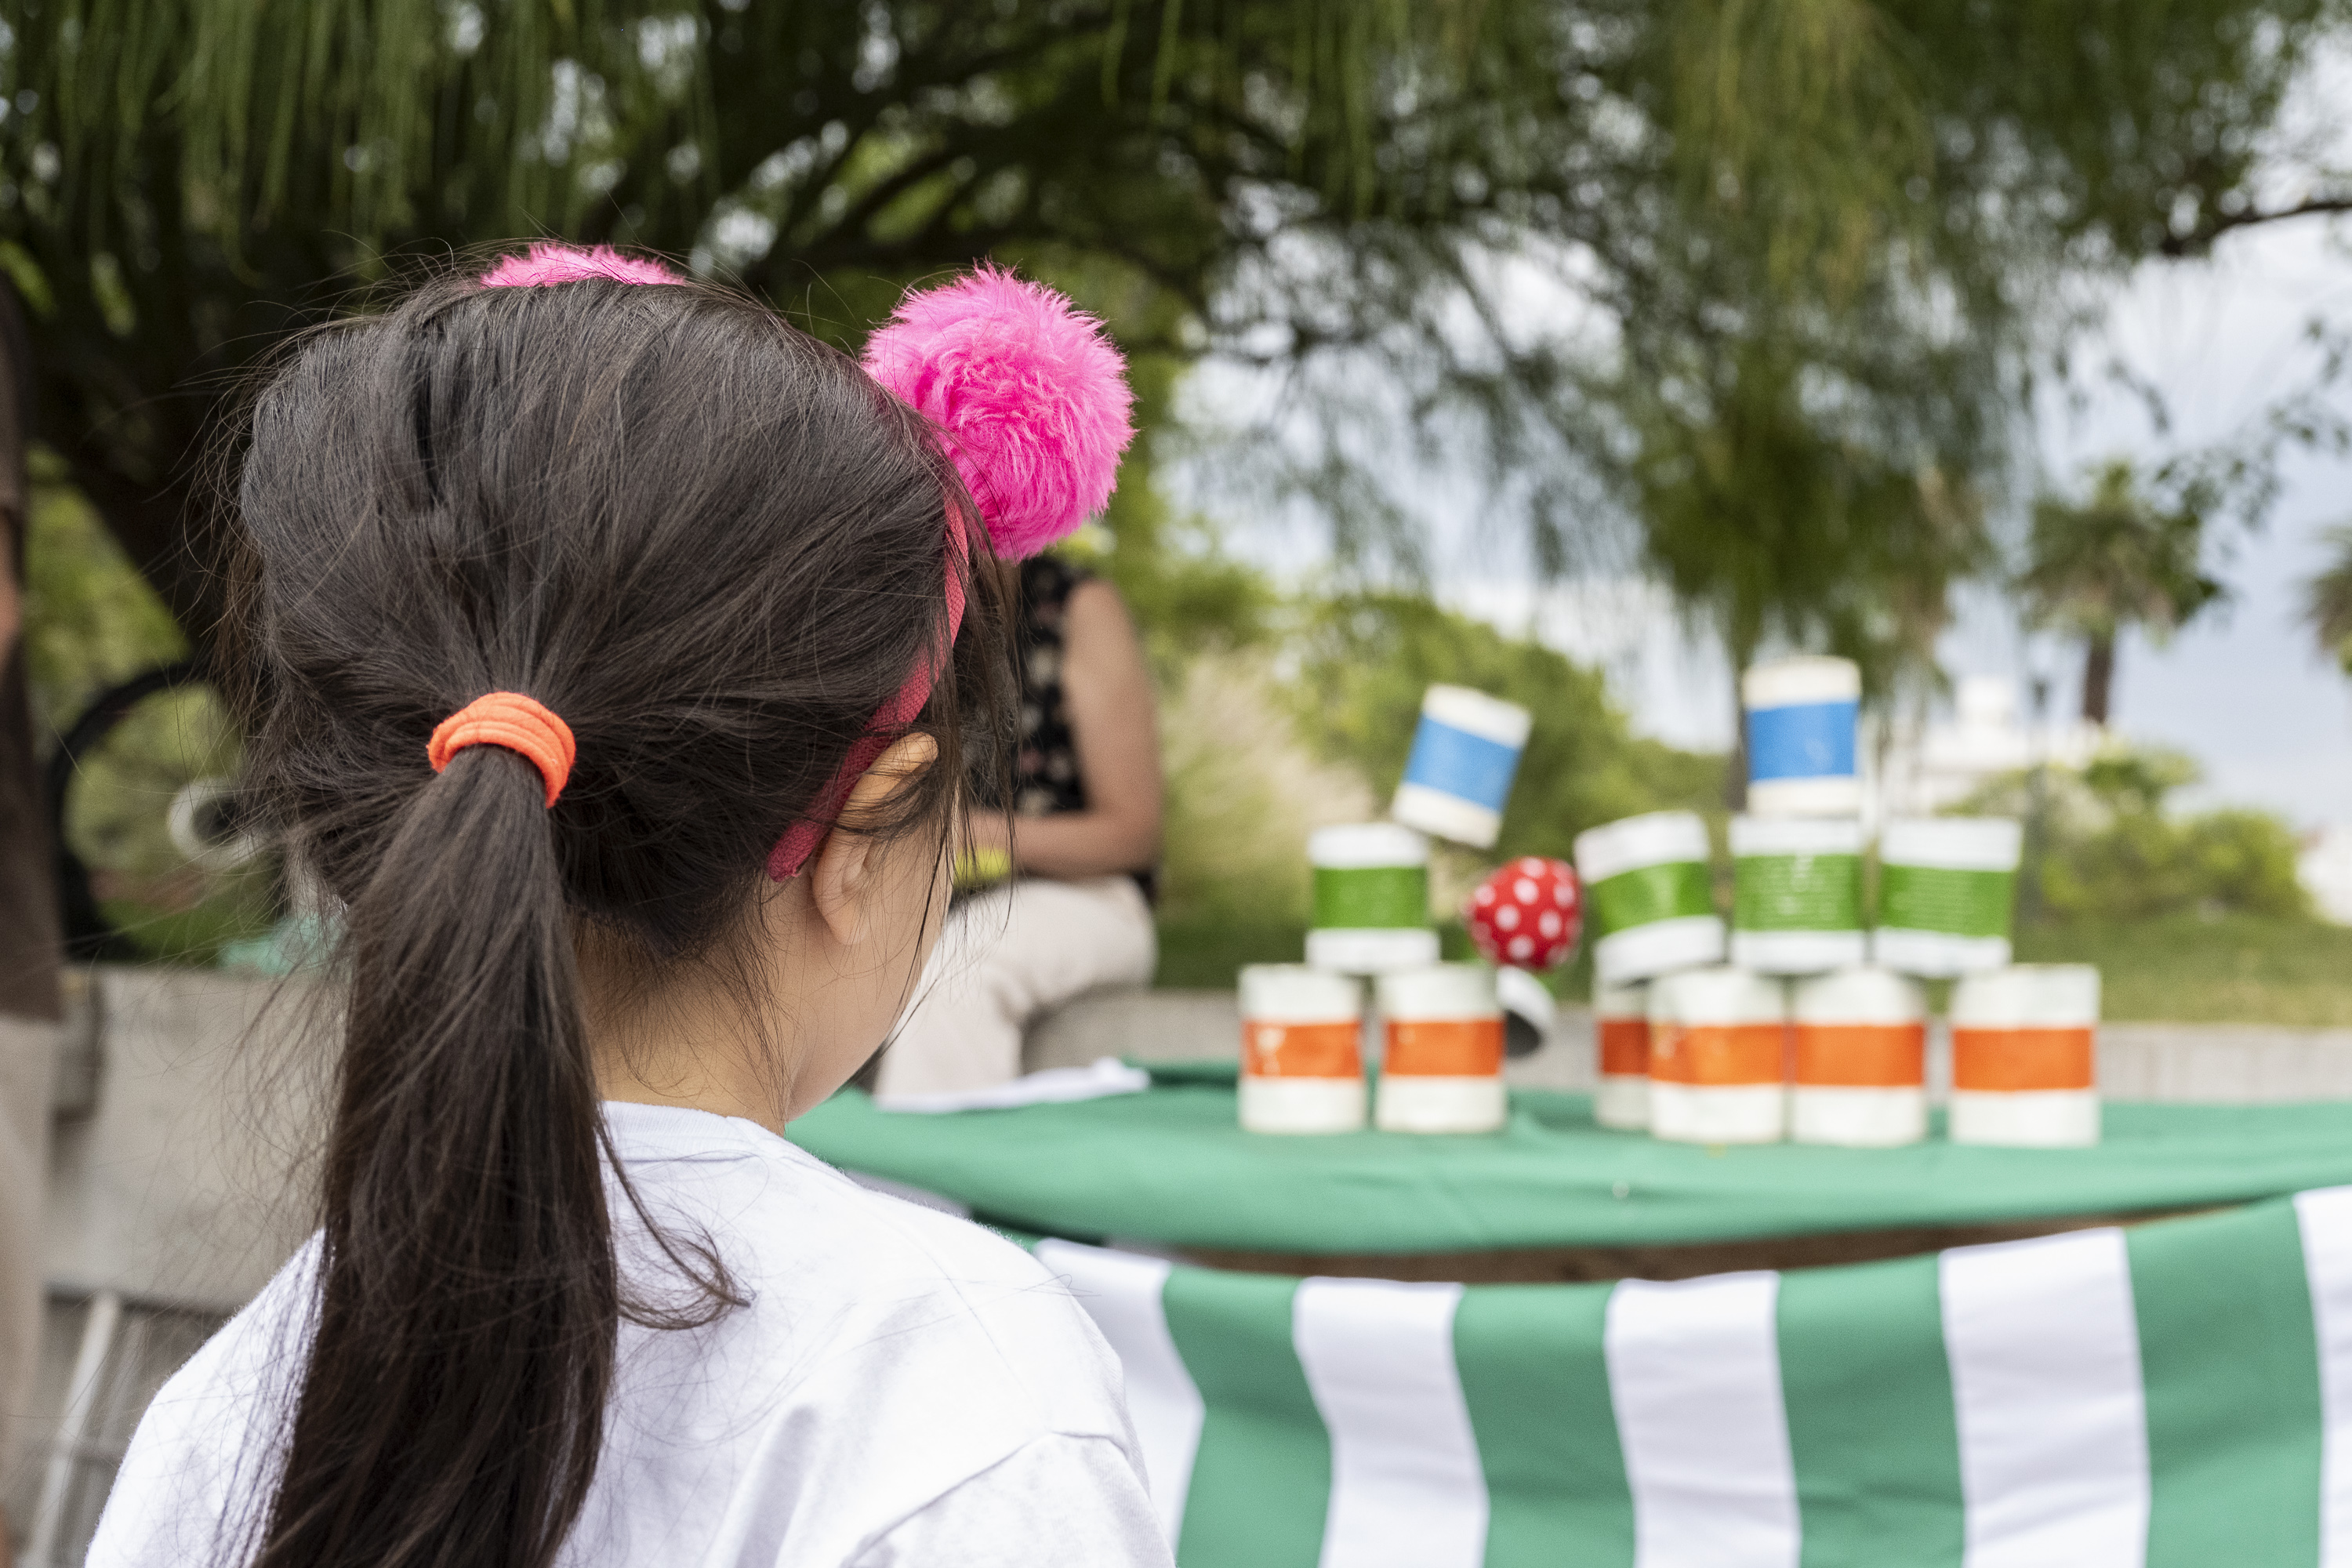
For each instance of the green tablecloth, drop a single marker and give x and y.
(1169, 1165)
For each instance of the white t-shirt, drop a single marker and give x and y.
(903, 1389)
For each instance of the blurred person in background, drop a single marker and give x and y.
(30, 1004)
(1079, 846)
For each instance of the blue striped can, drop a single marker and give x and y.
(1465, 754)
(1802, 714)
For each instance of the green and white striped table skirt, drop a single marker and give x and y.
(2176, 1394)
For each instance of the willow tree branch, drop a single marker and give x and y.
(2199, 240)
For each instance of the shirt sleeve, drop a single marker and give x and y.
(1057, 1501)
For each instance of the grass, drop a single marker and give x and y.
(2233, 970)
(2238, 969)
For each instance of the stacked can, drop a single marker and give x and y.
(1860, 1050)
(1458, 776)
(1718, 1057)
(1372, 899)
(2024, 1057)
(1945, 888)
(1442, 1068)
(1647, 890)
(1802, 714)
(1796, 894)
(1620, 1044)
(1302, 1056)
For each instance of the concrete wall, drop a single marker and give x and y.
(178, 1185)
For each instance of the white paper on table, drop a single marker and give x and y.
(1107, 1075)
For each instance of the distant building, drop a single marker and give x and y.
(1928, 770)
(2325, 869)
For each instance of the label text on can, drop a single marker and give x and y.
(1301, 1050)
(1862, 1056)
(1939, 899)
(1625, 1047)
(2006, 1061)
(1801, 741)
(1718, 1055)
(1445, 1047)
(1458, 762)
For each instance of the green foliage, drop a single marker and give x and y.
(1365, 661)
(2327, 600)
(2123, 558)
(2111, 851)
(90, 620)
(2145, 865)
(1878, 199)
(1766, 521)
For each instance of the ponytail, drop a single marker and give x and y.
(468, 1302)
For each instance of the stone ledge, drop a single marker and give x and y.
(2236, 1064)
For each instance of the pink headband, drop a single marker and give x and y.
(1031, 399)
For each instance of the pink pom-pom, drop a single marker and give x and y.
(549, 262)
(1031, 395)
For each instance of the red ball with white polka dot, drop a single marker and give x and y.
(1527, 914)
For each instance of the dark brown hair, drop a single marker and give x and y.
(715, 547)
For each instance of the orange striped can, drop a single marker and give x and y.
(1718, 1057)
(1859, 1059)
(1620, 1049)
(1302, 1060)
(2025, 1057)
(1441, 1069)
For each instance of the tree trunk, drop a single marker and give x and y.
(29, 952)
(1735, 766)
(2098, 677)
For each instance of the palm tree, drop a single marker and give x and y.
(2114, 561)
(2327, 600)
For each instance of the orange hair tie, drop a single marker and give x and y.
(518, 723)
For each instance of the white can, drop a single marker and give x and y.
(1442, 1065)
(1796, 905)
(1302, 1050)
(1801, 716)
(1372, 899)
(1647, 892)
(1465, 755)
(1718, 1057)
(2025, 1057)
(1946, 885)
(1620, 1053)
(1859, 1056)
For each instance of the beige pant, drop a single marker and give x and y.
(1006, 956)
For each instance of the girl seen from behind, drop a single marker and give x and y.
(613, 651)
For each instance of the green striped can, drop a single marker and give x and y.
(2176, 1394)
(1946, 886)
(1649, 896)
(1796, 906)
(1371, 899)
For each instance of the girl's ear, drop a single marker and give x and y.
(842, 884)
